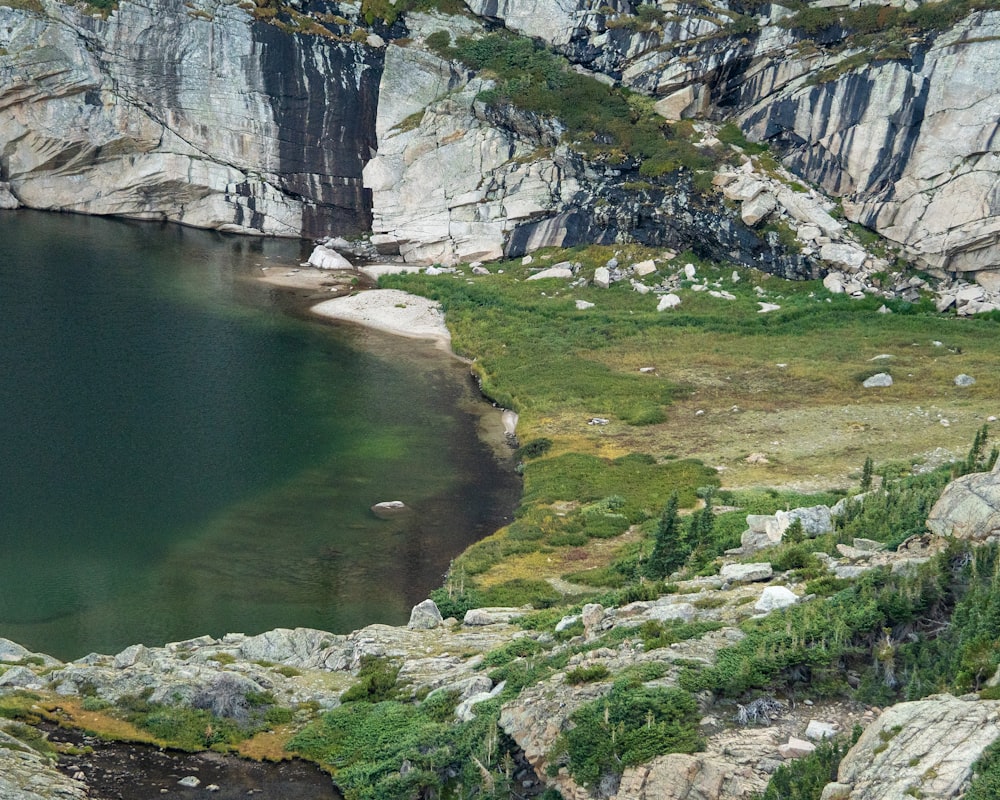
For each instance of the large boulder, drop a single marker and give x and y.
(920, 749)
(969, 508)
(424, 616)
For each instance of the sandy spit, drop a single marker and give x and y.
(392, 311)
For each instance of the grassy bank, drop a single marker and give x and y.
(688, 395)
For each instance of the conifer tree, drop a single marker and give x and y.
(866, 475)
(670, 550)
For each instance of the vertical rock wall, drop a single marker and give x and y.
(190, 112)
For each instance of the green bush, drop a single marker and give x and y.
(629, 726)
(533, 449)
(517, 648)
(596, 672)
(520, 592)
(376, 681)
(804, 778)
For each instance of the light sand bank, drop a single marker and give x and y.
(392, 311)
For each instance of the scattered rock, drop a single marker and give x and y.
(668, 301)
(879, 380)
(795, 748)
(746, 573)
(327, 258)
(602, 278)
(757, 209)
(567, 622)
(477, 617)
(583, 305)
(593, 617)
(190, 781)
(644, 268)
(817, 730)
(775, 597)
(551, 272)
(964, 380)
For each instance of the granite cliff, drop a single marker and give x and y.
(201, 115)
(305, 120)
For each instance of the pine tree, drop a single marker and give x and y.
(866, 475)
(670, 550)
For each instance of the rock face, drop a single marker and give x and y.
(451, 186)
(910, 144)
(969, 507)
(28, 775)
(886, 138)
(920, 749)
(199, 113)
(186, 111)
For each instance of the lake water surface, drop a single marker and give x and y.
(180, 455)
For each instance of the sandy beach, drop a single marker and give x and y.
(392, 311)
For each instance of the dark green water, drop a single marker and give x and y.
(179, 455)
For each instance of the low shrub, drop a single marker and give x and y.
(596, 672)
(376, 681)
(628, 726)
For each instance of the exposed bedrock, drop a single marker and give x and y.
(189, 112)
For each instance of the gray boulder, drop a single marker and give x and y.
(130, 656)
(388, 509)
(878, 381)
(775, 597)
(964, 380)
(20, 677)
(424, 616)
(746, 573)
(969, 507)
(551, 272)
(685, 612)
(477, 617)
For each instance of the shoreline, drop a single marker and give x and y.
(391, 311)
(357, 303)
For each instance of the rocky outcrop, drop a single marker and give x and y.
(910, 145)
(192, 112)
(969, 507)
(448, 185)
(920, 749)
(26, 774)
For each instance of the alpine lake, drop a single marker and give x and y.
(185, 451)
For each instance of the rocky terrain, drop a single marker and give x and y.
(326, 120)
(306, 120)
(927, 746)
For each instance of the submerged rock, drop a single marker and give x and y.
(388, 509)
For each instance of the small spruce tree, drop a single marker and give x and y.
(866, 475)
(795, 533)
(670, 550)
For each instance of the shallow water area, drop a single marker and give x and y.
(129, 771)
(180, 455)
